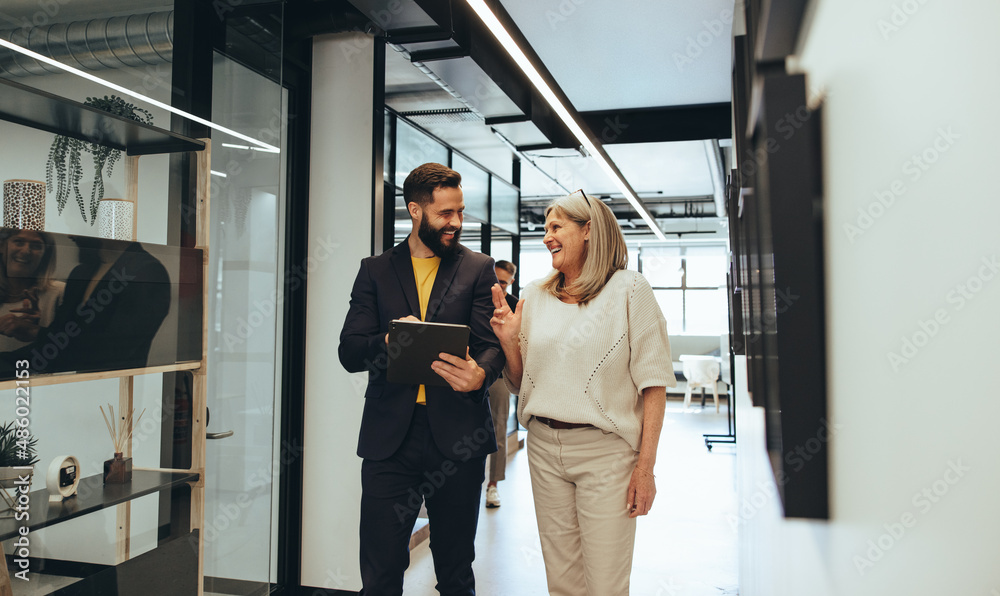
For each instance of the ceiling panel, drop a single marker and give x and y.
(678, 169)
(522, 133)
(393, 14)
(465, 76)
(615, 54)
(408, 89)
(569, 168)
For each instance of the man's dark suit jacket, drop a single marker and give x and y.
(385, 289)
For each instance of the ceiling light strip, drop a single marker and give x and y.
(502, 36)
(130, 93)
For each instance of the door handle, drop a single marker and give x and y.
(224, 434)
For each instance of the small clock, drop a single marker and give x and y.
(62, 478)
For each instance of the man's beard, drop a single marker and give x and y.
(432, 239)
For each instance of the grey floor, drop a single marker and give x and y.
(684, 547)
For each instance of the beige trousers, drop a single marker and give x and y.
(500, 409)
(579, 479)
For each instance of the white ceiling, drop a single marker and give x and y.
(615, 54)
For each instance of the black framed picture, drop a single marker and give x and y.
(779, 247)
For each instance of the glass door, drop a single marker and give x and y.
(246, 289)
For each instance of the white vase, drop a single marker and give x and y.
(115, 219)
(24, 204)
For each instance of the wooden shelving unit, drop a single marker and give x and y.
(24, 105)
(92, 495)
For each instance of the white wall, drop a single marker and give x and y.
(899, 76)
(339, 212)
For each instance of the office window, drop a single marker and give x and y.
(689, 284)
(672, 305)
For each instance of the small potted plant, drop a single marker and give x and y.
(16, 453)
(64, 170)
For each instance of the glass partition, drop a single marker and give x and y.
(247, 279)
(475, 188)
(414, 148)
(504, 207)
(113, 531)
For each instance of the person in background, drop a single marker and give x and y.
(423, 444)
(500, 399)
(587, 351)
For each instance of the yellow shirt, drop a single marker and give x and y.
(424, 272)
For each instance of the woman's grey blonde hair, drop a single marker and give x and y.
(604, 254)
(46, 267)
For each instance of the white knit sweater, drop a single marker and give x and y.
(589, 364)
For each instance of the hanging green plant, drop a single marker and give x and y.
(64, 170)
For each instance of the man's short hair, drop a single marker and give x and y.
(420, 185)
(506, 266)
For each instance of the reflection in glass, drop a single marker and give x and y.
(414, 148)
(475, 188)
(29, 294)
(501, 246)
(472, 234)
(79, 303)
(504, 206)
(244, 343)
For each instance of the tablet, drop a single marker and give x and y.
(414, 345)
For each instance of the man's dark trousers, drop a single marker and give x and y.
(393, 490)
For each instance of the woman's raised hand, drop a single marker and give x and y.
(506, 324)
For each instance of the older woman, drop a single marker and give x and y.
(28, 294)
(587, 352)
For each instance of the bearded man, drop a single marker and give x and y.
(423, 444)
